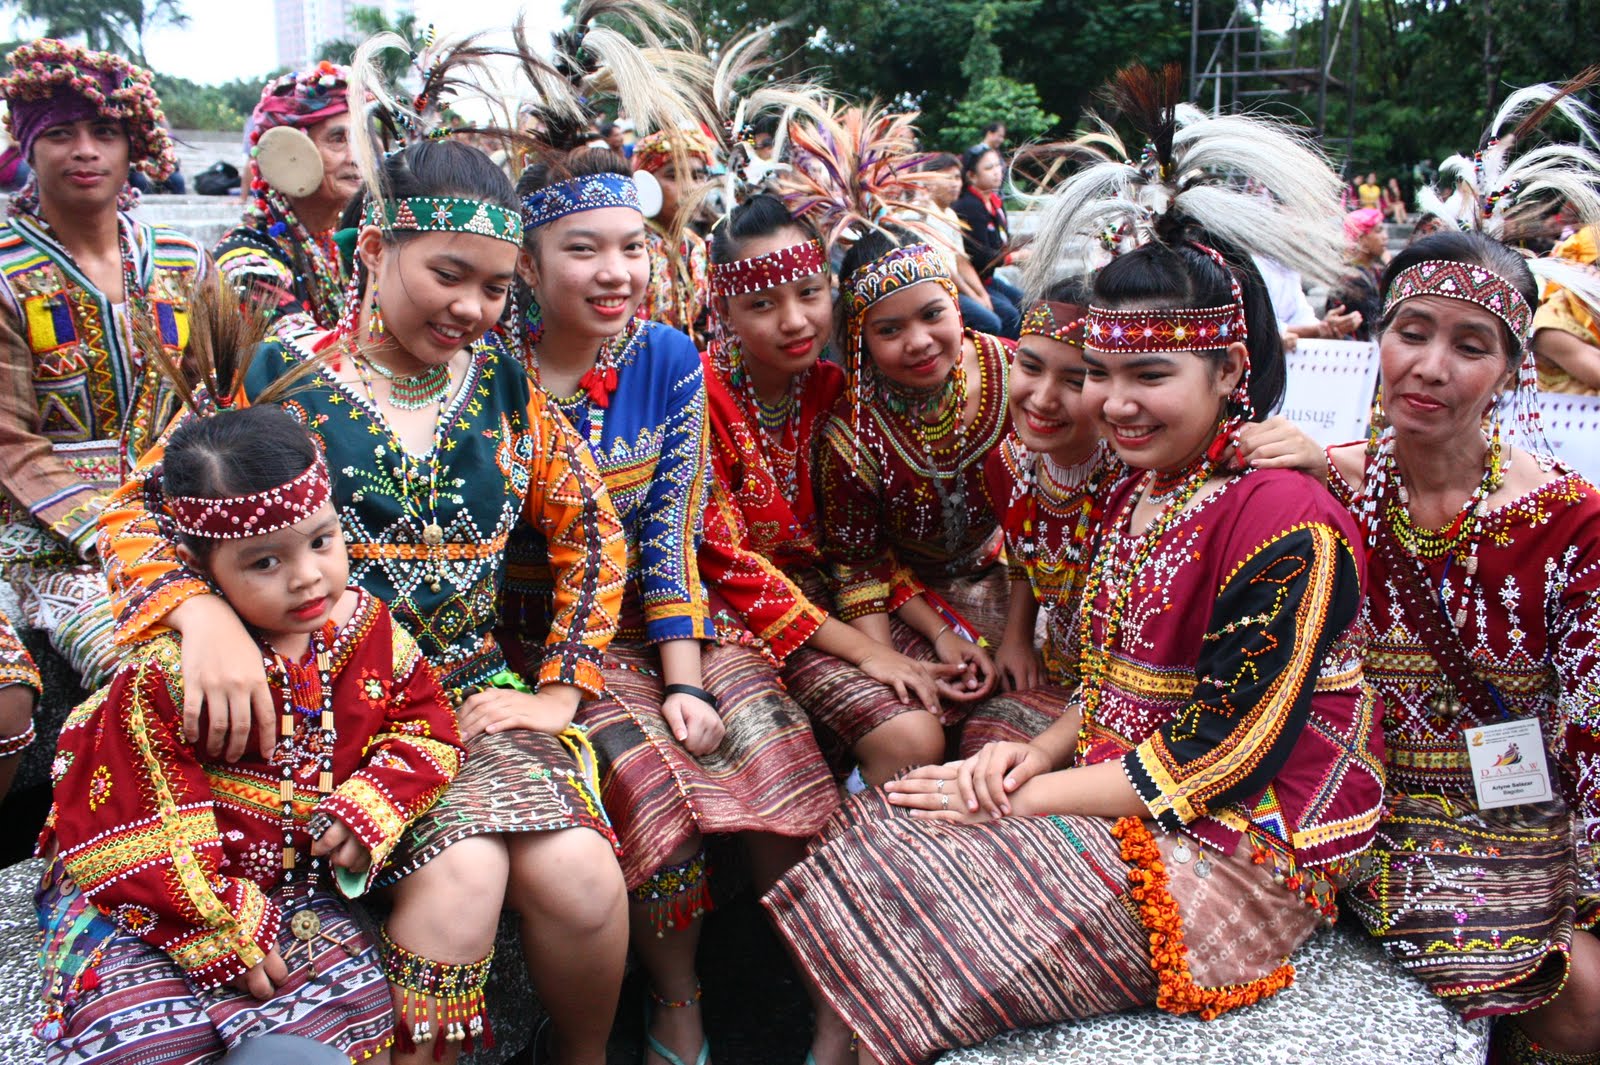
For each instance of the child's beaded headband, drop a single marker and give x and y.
(257, 513)
(762, 272)
(1467, 282)
(447, 214)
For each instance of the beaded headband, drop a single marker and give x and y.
(1467, 282)
(448, 214)
(1105, 329)
(256, 514)
(762, 272)
(1057, 321)
(890, 273)
(579, 194)
(1171, 330)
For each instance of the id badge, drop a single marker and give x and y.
(1509, 764)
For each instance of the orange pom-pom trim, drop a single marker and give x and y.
(1158, 911)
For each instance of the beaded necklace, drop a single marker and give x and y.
(779, 438)
(1458, 538)
(308, 693)
(413, 473)
(417, 390)
(1095, 658)
(947, 484)
(595, 388)
(327, 288)
(1057, 484)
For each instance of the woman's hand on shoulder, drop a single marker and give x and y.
(224, 679)
(1279, 444)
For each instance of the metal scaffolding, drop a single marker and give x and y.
(1263, 53)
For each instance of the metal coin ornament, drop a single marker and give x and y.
(1181, 853)
(289, 162)
(305, 925)
(432, 534)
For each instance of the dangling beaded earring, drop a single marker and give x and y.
(375, 329)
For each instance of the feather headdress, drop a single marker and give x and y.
(740, 110)
(661, 82)
(1253, 183)
(853, 169)
(1507, 193)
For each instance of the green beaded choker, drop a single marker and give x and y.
(448, 214)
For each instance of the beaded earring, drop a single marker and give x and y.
(375, 327)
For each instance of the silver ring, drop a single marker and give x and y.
(939, 787)
(944, 802)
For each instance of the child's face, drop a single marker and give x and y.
(286, 581)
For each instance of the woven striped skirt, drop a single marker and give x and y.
(1014, 717)
(926, 936)
(767, 776)
(516, 781)
(145, 1011)
(846, 704)
(1478, 905)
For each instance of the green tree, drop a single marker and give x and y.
(111, 25)
(366, 22)
(991, 95)
(189, 105)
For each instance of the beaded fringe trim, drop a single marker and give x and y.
(439, 1002)
(676, 894)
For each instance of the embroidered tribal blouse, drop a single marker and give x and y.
(1255, 721)
(79, 403)
(16, 665)
(1532, 631)
(186, 854)
(890, 517)
(760, 538)
(650, 446)
(680, 283)
(1064, 515)
(295, 289)
(511, 463)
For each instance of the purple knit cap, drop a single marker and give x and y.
(30, 118)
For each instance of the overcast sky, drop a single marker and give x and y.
(220, 45)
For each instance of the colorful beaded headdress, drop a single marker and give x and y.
(52, 82)
(447, 214)
(775, 268)
(1055, 320)
(256, 513)
(1467, 282)
(588, 193)
(664, 146)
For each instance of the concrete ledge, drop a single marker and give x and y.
(1349, 1006)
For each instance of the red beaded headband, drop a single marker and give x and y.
(1164, 330)
(256, 514)
(1057, 321)
(1467, 282)
(768, 271)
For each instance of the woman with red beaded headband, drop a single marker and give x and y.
(695, 731)
(910, 529)
(1484, 619)
(442, 449)
(1219, 757)
(230, 920)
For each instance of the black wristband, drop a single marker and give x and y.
(689, 689)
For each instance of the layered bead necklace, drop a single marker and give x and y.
(1459, 538)
(415, 391)
(595, 388)
(779, 424)
(307, 688)
(945, 404)
(1095, 658)
(416, 478)
(1055, 570)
